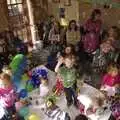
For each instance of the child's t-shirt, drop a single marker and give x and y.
(108, 84)
(110, 81)
(69, 76)
(43, 90)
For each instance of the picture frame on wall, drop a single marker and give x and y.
(67, 3)
(56, 1)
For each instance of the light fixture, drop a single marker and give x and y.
(63, 22)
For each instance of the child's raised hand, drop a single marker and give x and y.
(60, 60)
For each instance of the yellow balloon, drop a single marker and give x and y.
(33, 117)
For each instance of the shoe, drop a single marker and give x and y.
(76, 105)
(69, 104)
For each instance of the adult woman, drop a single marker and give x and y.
(92, 29)
(72, 34)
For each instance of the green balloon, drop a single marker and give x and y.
(25, 77)
(24, 112)
(16, 62)
(29, 87)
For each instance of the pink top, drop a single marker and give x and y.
(8, 95)
(110, 81)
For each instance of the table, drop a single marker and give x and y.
(87, 93)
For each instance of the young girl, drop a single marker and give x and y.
(69, 77)
(7, 93)
(110, 80)
(72, 34)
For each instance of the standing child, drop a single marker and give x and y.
(69, 50)
(69, 76)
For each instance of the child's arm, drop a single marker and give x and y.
(60, 62)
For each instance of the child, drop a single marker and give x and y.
(98, 106)
(69, 50)
(44, 90)
(69, 76)
(7, 93)
(54, 112)
(110, 80)
(100, 59)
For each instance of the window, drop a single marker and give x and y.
(15, 7)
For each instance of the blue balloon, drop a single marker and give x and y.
(36, 82)
(23, 93)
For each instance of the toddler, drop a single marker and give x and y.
(7, 93)
(110, 80)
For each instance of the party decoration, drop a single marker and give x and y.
(18, 66)
(25, 77)
(37, 74)
(16, 62)
(24, 111)
(29, 86)
(53, 97)
(18, 105)
(23, 93)
(33, 117)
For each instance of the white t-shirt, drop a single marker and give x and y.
(1, 84)
(110, 90)
(43, 90)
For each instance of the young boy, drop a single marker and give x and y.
(69, 76)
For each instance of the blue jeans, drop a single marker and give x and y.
(71, 95)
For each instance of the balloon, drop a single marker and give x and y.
(18, 106)
(23, 93)
(33, 117)
(16, 62)
(29, 86)
(25, 77)
(24, 111)
(40, 72)
(36, 82)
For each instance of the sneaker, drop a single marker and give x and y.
(69, 104)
